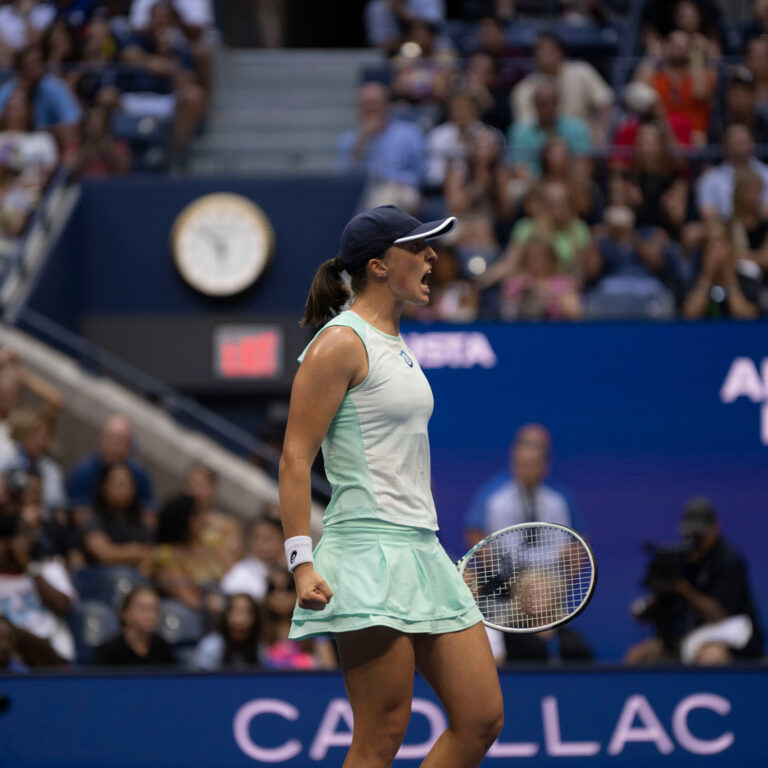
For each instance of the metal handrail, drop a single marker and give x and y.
(180, 407)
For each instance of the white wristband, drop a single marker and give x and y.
(298, 550)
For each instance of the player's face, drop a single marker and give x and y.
(410, 267)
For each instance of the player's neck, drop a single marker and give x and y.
(380, 310)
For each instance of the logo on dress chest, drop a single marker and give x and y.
(407, 359)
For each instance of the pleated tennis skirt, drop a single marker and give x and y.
(388, 575)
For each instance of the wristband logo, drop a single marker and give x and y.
(293, 555)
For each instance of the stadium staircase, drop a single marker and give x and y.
(279, 111)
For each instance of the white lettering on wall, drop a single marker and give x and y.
(452, 349)
(437, 725)
(242, 728)
(637, 706)
(744, 380)
(683, 734)
(327, 736)
(553, 742)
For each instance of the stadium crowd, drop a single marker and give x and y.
(588, 182)
(95, 572)
(96, 87)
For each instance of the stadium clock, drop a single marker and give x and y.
(222, 243)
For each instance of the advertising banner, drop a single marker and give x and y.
(675, 718)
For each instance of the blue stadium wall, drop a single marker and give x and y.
(674, 718)
(643, 416)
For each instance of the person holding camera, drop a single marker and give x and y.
(700, 603)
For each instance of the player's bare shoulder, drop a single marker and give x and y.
(340, 350)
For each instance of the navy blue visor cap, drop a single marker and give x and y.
(368, 234)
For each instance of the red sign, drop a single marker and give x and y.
(252, 355)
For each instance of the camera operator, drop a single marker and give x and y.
(700, 601)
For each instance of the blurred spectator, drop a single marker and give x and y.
(537, 291)
(34, 153)
(192, 18)
(386, 21)
(237, 643)
(22, 22)
(703, 34)
(54, 106)
(476, 192)
(551, 217)
(11, 661)
(60, 49)
(35, 593)
(453, 298)
(633, 266)
(202, 484)
(685, 85)
(390, 152)
(101, 154)
(186, 564)
(12, 377)
(757, 26)
(558, 165)
(722, 290)
(483, 80)
(527, 138)
(660, 17)
(279, 651)
(749, 225)
(715, 186)
(138, 643)
(265, 552)
(520, 494)
(25, 494)
(17, 200)
(115, 447)
(450, 141)
(423, 69)
(115, 533)
(493, 41)
(164, 83)
(31, 432)
(700, 603)
(739, 107)
(756, 59)
(644, 106)
(654, 185)
(553, 646)
(583, 93)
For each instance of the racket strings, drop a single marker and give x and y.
(530, 578)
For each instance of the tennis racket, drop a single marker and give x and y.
(530, 577)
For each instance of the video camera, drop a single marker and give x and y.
(666, 566)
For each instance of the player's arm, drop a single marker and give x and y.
(335, 362)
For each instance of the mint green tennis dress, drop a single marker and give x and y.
(379, 552)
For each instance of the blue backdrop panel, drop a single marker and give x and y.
(675, 718)
(638, 426)
(115, 258)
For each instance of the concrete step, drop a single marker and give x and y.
(305, 140)
(247, 163)
(277, 117)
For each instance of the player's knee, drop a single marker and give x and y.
(713, 654)
(383, 741)
(492, 725)
(482, 726)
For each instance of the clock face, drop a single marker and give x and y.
(222, 243)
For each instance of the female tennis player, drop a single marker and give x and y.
(379, 580)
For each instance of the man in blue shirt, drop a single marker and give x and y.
(527, 139)
(115, 446)
(520, 495)
(54, 106)
(385, 150)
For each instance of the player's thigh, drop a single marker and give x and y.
(459, 667)
(378, 665)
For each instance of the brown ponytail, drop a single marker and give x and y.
(327, 295)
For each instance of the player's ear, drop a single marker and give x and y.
(378, 268)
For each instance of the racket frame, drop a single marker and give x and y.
(462, 564)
